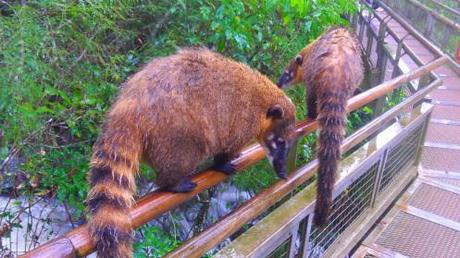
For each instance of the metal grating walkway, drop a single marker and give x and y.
(425, 221)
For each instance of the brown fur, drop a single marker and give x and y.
(173, 114)
(331, 69)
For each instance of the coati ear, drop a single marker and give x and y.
(275, 111)
(299, 59)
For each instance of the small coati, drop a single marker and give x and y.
(331, 69)
(173, 114)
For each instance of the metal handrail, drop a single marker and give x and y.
(445, 8)
(292, 221)
(432, 47)
(199, 244)
(441, 18)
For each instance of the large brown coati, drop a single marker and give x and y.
(173, 114)
(331, 69)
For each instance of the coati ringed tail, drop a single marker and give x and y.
(173, 114)
(331, 69)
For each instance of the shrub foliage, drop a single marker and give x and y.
(61, 63)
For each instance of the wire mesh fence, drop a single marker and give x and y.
(399, 156)
(345, 209)
(282, 250)
(379, 176)
(373, 180)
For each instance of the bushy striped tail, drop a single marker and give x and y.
(112, 178)
(332, 122)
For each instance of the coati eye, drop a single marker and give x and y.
(275, 111)
(277, 143)
(299, 59)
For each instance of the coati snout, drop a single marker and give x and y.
(291, 73)
(278, 141)
(277, 149)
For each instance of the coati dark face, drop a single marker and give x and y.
(278, 141)
(291, 74)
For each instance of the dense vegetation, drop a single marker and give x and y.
(61, 63)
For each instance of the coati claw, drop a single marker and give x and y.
(184, 186)
(282, 175)
(222, 163)
(226, 168)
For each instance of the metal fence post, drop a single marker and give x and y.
(307, 245)
(378, 177)
(294, 234)
(428, 26)
(370, 40)
(382, 58)
(448, 32)
(361, 23)
(381, 66)
(418, 156)
(354, 21)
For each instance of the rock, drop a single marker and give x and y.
(44, 220)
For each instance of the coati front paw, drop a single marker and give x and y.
(226, 168)
(357, 91)
(222, 163)
(312, 115)
(184, 186)
(282, 175)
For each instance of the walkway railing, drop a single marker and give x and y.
(370, 179)
(450, 12)
(445, 33)
(420, 81)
